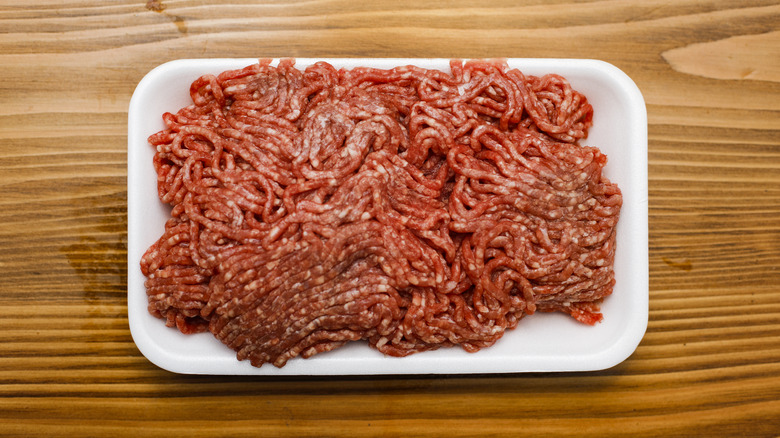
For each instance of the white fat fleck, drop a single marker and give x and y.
(234, 88)
(365, 216)
(343, 213)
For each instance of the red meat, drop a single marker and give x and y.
(411, 208)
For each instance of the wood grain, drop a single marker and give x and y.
(743, 55)
(709, 364)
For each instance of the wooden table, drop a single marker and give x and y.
(709, 364)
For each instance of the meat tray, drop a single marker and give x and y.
(540, 343)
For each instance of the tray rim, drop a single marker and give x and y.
(616, 353)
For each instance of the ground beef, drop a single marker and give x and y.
(410, 208)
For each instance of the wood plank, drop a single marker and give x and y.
(707, 366)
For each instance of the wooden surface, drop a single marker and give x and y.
(709, 364)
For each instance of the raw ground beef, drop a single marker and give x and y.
(410, 208)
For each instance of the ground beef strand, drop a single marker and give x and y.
(410, 208)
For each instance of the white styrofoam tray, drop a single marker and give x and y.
(541, 342)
